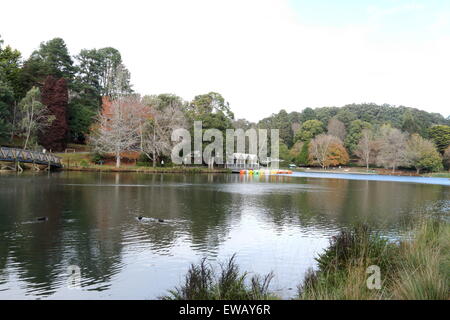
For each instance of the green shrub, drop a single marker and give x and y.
(97, 158)
(202, 283)
(84, 163)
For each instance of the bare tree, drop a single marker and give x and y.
(326, 150)
(337, 128)
(366, 147)
(33, 116)
(166, 116)
(119, 126)
(392, 151)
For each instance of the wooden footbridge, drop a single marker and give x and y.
(36, 159)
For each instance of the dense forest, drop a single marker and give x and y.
(53, 98)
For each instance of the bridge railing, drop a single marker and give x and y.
(13, 154)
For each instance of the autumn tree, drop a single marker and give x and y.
(327, 150)
(366, 147)
(119, 127)
(336, 128)
(55, 97)
(34, 117)
(422, 154)
(392, 144)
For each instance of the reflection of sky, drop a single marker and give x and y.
(370, 177)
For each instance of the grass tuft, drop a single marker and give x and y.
(202, 283)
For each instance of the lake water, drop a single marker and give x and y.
(272, 223)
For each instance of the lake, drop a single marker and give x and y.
(272, 223)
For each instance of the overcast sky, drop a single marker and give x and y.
(261, 55)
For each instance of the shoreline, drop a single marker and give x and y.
(148, 170)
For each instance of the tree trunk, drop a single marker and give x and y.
(154, 143)
(117, 160)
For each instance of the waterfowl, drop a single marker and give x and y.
(42, 219)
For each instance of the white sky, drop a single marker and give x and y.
(261, 55)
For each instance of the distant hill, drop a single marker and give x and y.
(405, 118)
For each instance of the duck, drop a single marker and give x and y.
(42, 219)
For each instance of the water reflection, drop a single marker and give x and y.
(273, 222)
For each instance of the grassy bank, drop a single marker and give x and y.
(141, 169)
(417, 267)
(83, 162)
(440, 175)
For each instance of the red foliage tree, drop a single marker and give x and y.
(55, 96)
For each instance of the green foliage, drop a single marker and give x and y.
(34, 116)
(440, 134)
(81, 115)
(97, 158)
(410, 124)
(201, 283)
(354, 134)
(84, 163)
(283, 123)
(303, 157)
(346, 116)
(359, 245)
(52, 58)
(422, 154)
(6, 102)
(10, 71)
(308, 114)
(284, 152)
(309, 130)
(212, 110)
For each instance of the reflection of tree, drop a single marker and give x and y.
(34, 248)
(329, 203)
(80, 235)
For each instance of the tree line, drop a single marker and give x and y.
(369, 134)
(52, 98)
